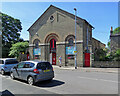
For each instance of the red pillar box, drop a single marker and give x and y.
(87, 59)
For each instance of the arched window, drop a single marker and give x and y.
(70, 42)
(36, 43)
(69, 47)
(36, 50)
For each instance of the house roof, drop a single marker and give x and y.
(58, 9)
(98, 41)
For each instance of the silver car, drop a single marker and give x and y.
(6, 64)
(33, 71)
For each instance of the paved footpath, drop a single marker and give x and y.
(88, 69)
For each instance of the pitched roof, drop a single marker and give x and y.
(61, 10)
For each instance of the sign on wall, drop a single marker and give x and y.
(37, 51)
(70, 50)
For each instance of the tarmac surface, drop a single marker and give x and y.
(68, 80)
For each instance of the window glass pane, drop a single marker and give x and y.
(1, 62)
(27, 65)
(20, 65)
(70, 42)
(32, 65)
(11, 61)
(36, 42)
(36, 45)
(44, 65)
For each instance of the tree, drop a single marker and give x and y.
(117, 55)
(17, 48)
(116, 30)
(11, 29)
(108, 44)
(21, 40)
(100, 54)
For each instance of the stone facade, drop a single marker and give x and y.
(59, 25)
(114, 42)
(96, 44)
(106, 64)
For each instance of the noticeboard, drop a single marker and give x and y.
(70, 50)
(37, 51)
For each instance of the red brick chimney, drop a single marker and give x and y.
(111, 31)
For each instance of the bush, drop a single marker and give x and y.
(17, 48)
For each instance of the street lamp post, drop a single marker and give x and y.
(75, 39)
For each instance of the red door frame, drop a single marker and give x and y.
(87, 59)
(52, 46)
(53, 58)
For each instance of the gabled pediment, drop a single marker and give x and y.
(45, 17)
(42, 19)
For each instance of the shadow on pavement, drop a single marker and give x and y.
(46, 83)
(7, 93)
(49, 83)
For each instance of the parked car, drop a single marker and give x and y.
(6, 64)
(33, 71)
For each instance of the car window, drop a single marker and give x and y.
(32, 65)
(11, 61)
(29, 65)
(44, 65)
(1, 62)
(21, 65)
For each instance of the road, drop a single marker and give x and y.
(66, 82)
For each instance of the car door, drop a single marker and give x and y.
(18, 70)
(25, 71)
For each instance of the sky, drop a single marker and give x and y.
(101, 15)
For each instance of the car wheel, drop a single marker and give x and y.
(2, 72)
(12, 76)
(30, 80)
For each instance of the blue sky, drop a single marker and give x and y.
(102, 15)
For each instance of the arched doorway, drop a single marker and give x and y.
(53, 51)
(51, 47)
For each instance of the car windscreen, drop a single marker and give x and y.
(44, 65)
(11, 61)
(1, 62)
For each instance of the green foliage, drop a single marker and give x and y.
(117, 55)
(100, 54)
(113, 56)
(108, 44)
(17, 48)
(118, 52)
(116, 31)
(109, 57)
(10, 28)
(10, 32)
